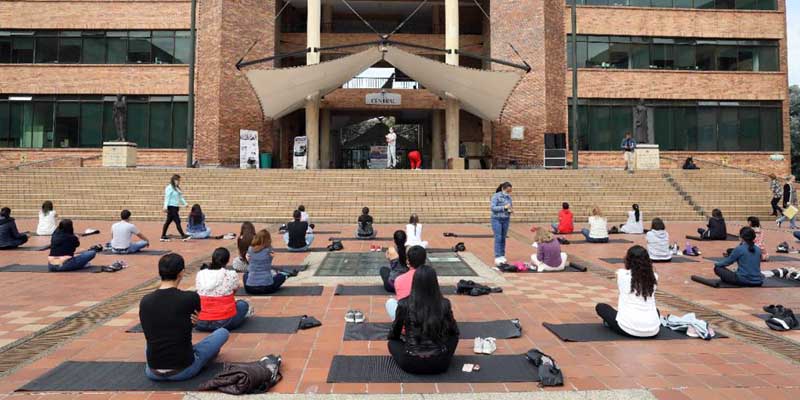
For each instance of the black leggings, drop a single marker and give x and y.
(609, 316)
(385, 271)
(172, 215)
(776, 210)
(730, 277)
(422, 366)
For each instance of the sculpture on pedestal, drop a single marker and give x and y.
(120, 116)
(641, 131)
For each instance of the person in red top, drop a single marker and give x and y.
(414, 159)
(216, 285)
(415, 256)
(564, 224)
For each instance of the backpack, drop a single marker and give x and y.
(459, 247)
(245, 378)
(475, 289)
(782, 248)
(336, 245)
(549, 373)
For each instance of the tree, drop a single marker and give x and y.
(794, 126)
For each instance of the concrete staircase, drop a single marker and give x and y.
(737, 194)
(337, 196)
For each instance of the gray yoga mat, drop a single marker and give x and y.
(110, 376)
(597, 332)
(287, 291)
(383, 369)
(348, 239)
(43, 268)
(768, 316)
(255, 325)
(675, 260)
(144, 252)
(376, 290)
(772, 258)
(768, 283)
(310, 250)
(569, 268)
(501, 329)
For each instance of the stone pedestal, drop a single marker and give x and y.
(119, 154)
(455, 163)
(646, 156)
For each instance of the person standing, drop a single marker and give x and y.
(502, 208)
(391, 143)
(173, 200)
(789, 199)
(628, 146)
(777, 195)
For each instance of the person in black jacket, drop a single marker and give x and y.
(716, 227)
(10, 238)
(397, 261)
(298, 236)
(63, 243)
(424, 335)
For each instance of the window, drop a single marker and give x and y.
(161, 122)
(703, 4)
(771, 129)
(91, 124)
(46, 49)
(727, 58)
(139, 48)
(726, 4)
(728, 126)
(662, 127)
(749, 128)
(94, 50)
(618, 53)
(683, 3)
(707, 128)
(22, 49)
(183, 46)
(685, 56)
(746, 56)
(684, 125)
(117, 49)
(5, 48)
(67, 124)
(640, 56)
(163, 47)
(41, 132)
(768, 59)
(5, 138)
(706, 57)
(597, 50)
(180, 127)
(662, 56)
(69, 50)
(662, 3)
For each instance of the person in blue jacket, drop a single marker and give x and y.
(173, 200)
(748, 256)
(502, 207)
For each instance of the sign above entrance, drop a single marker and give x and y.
(383, 99)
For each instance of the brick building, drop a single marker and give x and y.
(711, 73)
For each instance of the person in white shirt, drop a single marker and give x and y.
(658, 242)
(414, 232)
(634, 224)
(47, 219)
(391, 143)
(598, 227)
(121, 234)
(636, 313)
(303, 213)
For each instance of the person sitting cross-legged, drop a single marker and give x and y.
(260, 278)
(298, 236)
(598, 227)
(121, 234)
(216, 285)
(196, 226)
(10, 237)
(565, 223)
(167, 316)
(636, 313)
(424, 334)
(397, 262)
(748, 256)
(548, 256)
(364, 229)
(716, 228)
(63, 244)
(416, 257)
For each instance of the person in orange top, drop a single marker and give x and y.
(215, 284)
(564, 224)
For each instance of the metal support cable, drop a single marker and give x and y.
(283, 8)
(362, 18)
(413, 13)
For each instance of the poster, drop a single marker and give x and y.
(300, 152)
(248, 149)
(377, 157)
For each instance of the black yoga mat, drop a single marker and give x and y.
(143, 252)
(502, 329)
(255, 325)
(376, 290)
(768, 316)
(612, 241)
(287, 291)
(383, 369)
(327, 232)
(345, 239)
(775, 258)
(28, 248)
(310, 250)
(43, 268)
(675, 260)
(473, 235)
(597, 332)
(569, 268)
(108, 376)
(768, 283)
(730, 238)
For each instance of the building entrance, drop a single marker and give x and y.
(359, 140)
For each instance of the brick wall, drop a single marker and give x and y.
(752, 161)
(355, 99)
(95, 14)
(92, 157)
(94, 79)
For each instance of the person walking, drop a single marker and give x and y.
(628, 146)
(173, 200)
(789, 199)
(391, 151)
(777, 195)
(502, 208)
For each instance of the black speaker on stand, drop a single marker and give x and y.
(555, 150)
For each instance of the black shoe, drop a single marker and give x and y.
(97, 248)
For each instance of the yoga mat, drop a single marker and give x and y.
(675, 260)
(255, 325)
(28, 248)
(569, 268)
(611, 241)
(286, 291)
(597, 332)
(43, 268)
(144, 252)
(376, 290)
(775, 258)
(310, 250)
(327, 232)
(344, 239)
(768, 316)
(501, 329)
(377, 369)
(731, 238)
(768, 283)
(110, 376)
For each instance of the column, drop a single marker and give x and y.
(313, 23)
(436, 142)
(452, 108)
(325, 138)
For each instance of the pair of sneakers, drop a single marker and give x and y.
(500, 260)
(354, 316)
(375, 247)
(485, 345)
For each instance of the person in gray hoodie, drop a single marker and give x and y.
(658, 242)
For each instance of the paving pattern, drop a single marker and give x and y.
(688, 369)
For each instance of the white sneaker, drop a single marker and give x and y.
(250, 309)
(489, 345)
(478, 347)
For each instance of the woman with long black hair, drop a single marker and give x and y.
(246, 235)
(397, 261)
(634, 224)
(501, 207)
(748, 256)
(173, 200)
(424, 335)
(636, 313)
(62, 257)
(196, 227)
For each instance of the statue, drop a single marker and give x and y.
(120, 116)
(641, 132)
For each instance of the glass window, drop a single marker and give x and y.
(5, 49)
(5, 125)
(94, 51)
(22, 50)
(91, 124)
(662, 3)
(728, 129)
(163, 50)
(771, 129)
(597, 55)
(138, 117)
(706, 57)
(139, 48)
(68, 122)
(596, 2)
(685, 57)
(749, 129)
(707, 128)
(703, 3)
(41, 133)
(747, 4)
(20, 117)
(618, 55)
(767, 5)
(662, 126)
(663, 56)
(727, 58)
(160, 124)
(117, 48)
(746, 56)
(46, 49)
(600, 136)
(182, 47)
(583, 53)
(726, 4)
(768, 58)
(621, 122)
(179, 124)
(640, 56)
(69, 50)
(685, 128)
(683, 3)
(639, 3)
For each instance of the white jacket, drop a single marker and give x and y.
(658, 245)
(414, 235)
(633, 226)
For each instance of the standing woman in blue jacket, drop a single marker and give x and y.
(173, 200)
(502, 208)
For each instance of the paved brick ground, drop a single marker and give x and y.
(670, 370)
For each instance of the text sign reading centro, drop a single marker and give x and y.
(384, 99)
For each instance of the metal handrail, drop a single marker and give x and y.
(50, 160)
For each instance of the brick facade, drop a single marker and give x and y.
(94, 79)
(86, 157)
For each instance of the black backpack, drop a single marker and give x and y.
(336, 245)
(459, 247)
(549, 373)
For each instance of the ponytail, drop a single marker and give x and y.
(748, 236)
(503, 186)
(636, 212)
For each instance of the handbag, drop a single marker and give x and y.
(549, 373)
(790, 212)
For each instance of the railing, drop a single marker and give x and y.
(79, 162)
(356, 26)
(380, 83)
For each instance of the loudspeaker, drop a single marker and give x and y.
(555, 140)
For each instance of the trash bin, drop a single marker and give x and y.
(266, 160)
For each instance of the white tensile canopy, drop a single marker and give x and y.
(480, 92)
